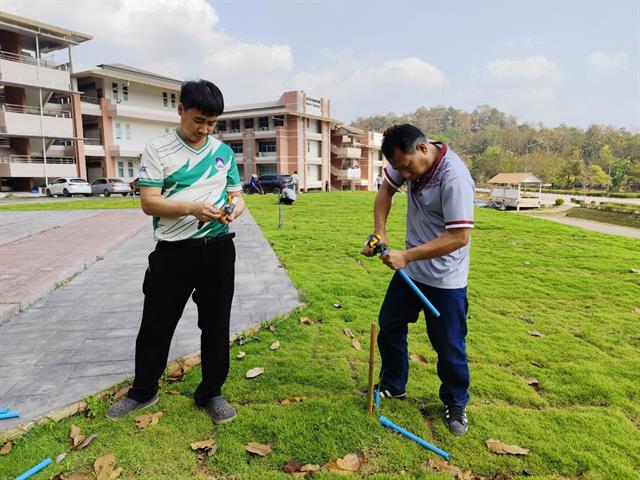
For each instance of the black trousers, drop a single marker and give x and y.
(176, 270)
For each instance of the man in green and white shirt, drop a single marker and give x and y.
(186, 177)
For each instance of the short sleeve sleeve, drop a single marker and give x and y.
(150, 173)
(457, 202)
(233, 176)
(393, 176)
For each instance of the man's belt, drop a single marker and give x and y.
(197, 242)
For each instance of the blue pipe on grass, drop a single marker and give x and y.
(388, 423)
(414, 287)
(4, 410)
(35, 469)
(4, 416)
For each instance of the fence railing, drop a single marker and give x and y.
(14, 57)
(37, 159)
(29, 110)
(87, 99)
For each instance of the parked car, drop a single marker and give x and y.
(271, 183)
(68, 186)
(135, 186)
(107, 186)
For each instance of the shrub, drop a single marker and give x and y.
(560, 201)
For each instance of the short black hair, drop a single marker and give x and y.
(202, 95)
(403, 137)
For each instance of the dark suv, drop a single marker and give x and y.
(271, 183)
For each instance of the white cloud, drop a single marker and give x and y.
(175, 38)
(530, 69)
(609, 61)
(358, 87)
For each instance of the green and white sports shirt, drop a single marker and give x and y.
(187, 174)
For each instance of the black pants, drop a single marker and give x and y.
(175, 272)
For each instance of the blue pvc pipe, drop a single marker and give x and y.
(388, 423)
(4, 416)
(415, 288)
(34, 470)
(376, 398)
(4, 410)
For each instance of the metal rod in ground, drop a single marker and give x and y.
(372, 357)
(388, 423)
(280, 216)
(34, 470)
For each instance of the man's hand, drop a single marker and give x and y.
(205, 212)
(395, 259)
(367, 251)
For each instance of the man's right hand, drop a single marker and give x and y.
(368, 251)
(205, 212)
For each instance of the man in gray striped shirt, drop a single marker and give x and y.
(436, 257)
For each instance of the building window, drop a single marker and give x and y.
(118, 132)
(130, 165)
(127, 131)
(165, 99)
(125, 93)
(248, 123)
(237, 147)
(90, 126)
(120, 169)
(173, 100)
(278, 121)
(266, 169)
(313, 173)
(263, 123)
(308, 147)
(221, 126)
(266, 147)
(114, 91)
(235, 126)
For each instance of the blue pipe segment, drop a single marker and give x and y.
(4, 410)
(376, 398)
(5, 416)
(388, 423)
(415, 288)
(34, 470)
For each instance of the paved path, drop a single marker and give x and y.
(595, 226)
(79, 339)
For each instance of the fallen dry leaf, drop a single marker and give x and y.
(104, 466)
(289, 400)
(61, 457)
(275, 345)
(241, 355)
(637, 310)
(338, 304)
(143, 421)
(87, 441)
(115, 474)
(525, 319)
(173, 392)
(535, 333)
(76, 437)
(496, 446)
(251, 331)
(356, 344)
(272, 328)
(310, 467)
(292, 466)
(120, 394)
(416, 357)
(635, 270)
(526, 263)
(73, 476)
(176, 371)
(332, 466)
(254, 372)
(208, 446)
(350, 462)
(6, 448)
(441, 465)
(305, 321)
(533, 382)
(258, 448)
(349, 333)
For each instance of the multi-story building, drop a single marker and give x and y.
(36, 115)
(297, 134)
(122, 108)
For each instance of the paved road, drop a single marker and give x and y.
(595, 226)
(79, 339)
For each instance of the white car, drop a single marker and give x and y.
(69, 186)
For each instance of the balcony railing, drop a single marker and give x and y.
(92, 141)
(92, 100)
(37, 159)
(266, 154)
(14, 57)
(29, 110)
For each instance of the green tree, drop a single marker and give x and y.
(596, 176)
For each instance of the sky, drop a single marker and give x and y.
(550, 62)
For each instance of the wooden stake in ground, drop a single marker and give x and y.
(372, 356)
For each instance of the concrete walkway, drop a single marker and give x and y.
(595, 226)
(79, 339)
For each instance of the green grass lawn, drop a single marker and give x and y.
(575, 287)
(73, 204)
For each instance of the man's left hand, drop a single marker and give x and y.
(395, 259)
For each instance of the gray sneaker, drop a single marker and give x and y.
(127, 405)
(456, 419)
(220, 410)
